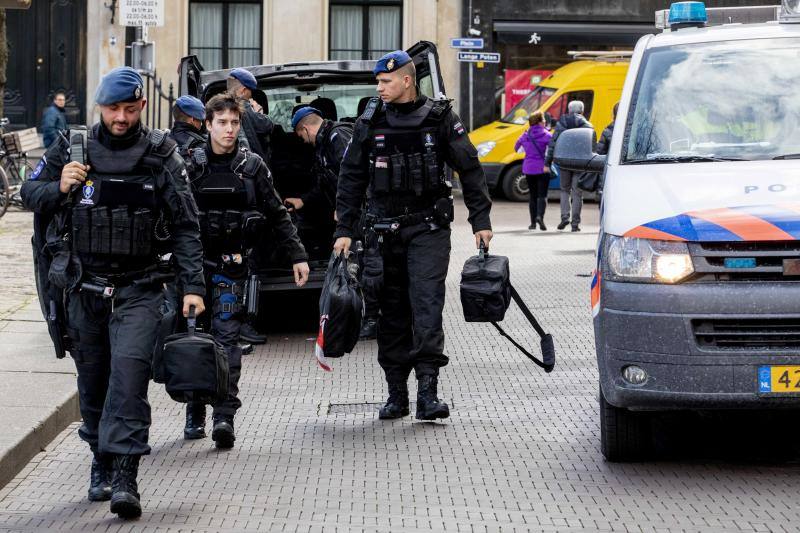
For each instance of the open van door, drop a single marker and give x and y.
(429, 74)
(189, 77)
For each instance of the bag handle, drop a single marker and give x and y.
(191, 320)
(548, 361)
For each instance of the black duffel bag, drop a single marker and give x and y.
(195, 366)
(486, 294)
(341, 308)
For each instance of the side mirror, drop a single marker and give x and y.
(574, 151)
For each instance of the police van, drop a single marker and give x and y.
(696, 291)
(341, 91)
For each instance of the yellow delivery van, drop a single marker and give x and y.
(595, 78)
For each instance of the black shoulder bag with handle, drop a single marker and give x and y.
(195, 366)
(486, 294)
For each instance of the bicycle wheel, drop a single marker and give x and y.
(5, 193)
(18, 170)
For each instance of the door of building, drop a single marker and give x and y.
(47, 53)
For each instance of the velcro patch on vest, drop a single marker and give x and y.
(382, 162)
(458, 128)
(88, 193)
(380, 141)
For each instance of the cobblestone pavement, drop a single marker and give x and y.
(520, 452)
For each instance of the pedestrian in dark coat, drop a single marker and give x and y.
(54, 119)
(534, 142)
(571, 195)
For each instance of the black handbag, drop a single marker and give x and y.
(486, 294)
(341, 307)
(195, 366)
(589, 181)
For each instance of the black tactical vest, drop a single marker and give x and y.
(115, 211)
(228, 201)
(406, 161)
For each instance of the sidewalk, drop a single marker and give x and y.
(37, 391)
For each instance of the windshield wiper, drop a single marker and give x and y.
(787, 156)
(682, 159)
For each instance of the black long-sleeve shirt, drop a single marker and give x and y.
(459, 154)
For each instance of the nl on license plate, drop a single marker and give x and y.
(779, 379)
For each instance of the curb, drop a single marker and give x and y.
(14, 459)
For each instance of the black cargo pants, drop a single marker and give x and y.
(113, 341)
(371, 274)
(410, 334)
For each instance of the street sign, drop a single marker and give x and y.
(141, 12)
(478, 57)
(466, 42)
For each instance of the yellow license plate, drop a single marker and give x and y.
(779, 379)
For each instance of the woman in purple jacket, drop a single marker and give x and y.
(534, 142)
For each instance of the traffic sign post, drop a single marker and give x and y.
(479, 57)
(466, 42)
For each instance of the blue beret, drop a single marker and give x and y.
(302, 113)
(245, 77)
(391, 62)
(122, 84)
(191, 106)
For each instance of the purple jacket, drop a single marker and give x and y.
(534, 141)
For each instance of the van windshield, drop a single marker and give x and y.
(519, 113)
(344, 98)
(732, 100)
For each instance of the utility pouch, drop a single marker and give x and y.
(101, 231)
(226, 297)
(233, 221)
(415, 171)
(81, 230)
(66, 270)
(141, 232)
(120, 231)
(380, 175)
(443, 212)
(398, 172)
(431, 170)
(215, 224)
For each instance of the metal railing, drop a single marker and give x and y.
(158, 112)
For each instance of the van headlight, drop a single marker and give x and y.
(647, 261)
(485, 147)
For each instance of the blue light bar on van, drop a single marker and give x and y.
(689, 13)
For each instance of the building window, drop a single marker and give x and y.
(362, 29)
(225, 34)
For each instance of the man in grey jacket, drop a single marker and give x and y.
(570, 193)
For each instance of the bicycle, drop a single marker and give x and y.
(15, 169)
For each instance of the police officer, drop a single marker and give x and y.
(397, 157)
(330, 140)
(127, 202)
(233, 189)
(187, 129)
(256, 127)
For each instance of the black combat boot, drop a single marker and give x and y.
(125, 491)
(540, 221)
(429, 407)
(223, 434)
(397, 403)
(249, 334)
(100, 479)
(369, 329)
(195, 421)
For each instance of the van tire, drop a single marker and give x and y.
(625, 435)
(515, 184)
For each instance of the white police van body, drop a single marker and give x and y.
(696, 293)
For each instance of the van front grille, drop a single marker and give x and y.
(762, 261)
(747, 334)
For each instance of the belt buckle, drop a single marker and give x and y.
(108, 291)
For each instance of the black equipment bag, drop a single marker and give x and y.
(486, 294)
(195, 366)
(341, 307)
(589, 181)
